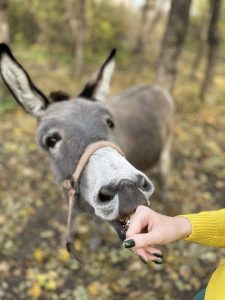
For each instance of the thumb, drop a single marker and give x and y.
(142, 240)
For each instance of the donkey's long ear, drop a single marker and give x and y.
(98, 86)
(20, 84)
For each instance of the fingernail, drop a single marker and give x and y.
(143, 260)
(158, 255)
(158, 262)
(129, 243)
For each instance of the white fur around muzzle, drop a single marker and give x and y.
(106, 166)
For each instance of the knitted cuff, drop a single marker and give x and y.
(204, 227)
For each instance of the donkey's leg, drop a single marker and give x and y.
(164, 168)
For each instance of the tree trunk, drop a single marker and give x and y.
(78, 28)
(142, 33)
(172, 43)
(202, 37)
(4, 25)
(156, 17)
(213, 43)
(148, 23)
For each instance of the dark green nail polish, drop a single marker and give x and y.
(129, 243)
(158, 262)
(158, 255)
(143, 260)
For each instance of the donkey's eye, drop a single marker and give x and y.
(110, 123)
(52, 140)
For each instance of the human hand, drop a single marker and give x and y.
(148, 228)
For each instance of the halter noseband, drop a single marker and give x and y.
(71, 186)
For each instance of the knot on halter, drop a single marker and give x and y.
(71, 187)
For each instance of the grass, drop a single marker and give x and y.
(7, 104)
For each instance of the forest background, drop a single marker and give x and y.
(179, 45)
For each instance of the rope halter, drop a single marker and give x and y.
(71, 187)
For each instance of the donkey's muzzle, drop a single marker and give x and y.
(125, 189)
(131, 194)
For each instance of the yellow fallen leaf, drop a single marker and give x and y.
(51, 284)
(63, 255)
(77, 245)
(41, 279)
(94, 288)
(35, 291)
(39, 255)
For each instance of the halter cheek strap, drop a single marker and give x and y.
(71, 185)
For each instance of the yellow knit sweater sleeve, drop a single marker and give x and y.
(208, 228)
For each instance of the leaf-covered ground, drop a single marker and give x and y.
(33, 260)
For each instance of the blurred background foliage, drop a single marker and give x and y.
(37, 22)
(61, 43)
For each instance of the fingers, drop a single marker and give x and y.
(139, 220)
(150, 250)
(149, 254)
(142, 240)
(153, 250)
(143, 254)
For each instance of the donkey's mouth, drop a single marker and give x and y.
(120, 226)
(124, 222)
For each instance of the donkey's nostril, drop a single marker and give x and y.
(144, 184)
(106, 194)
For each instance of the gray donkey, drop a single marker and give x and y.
(139, 121)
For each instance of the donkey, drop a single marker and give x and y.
(139, 121)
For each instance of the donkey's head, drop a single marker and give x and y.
(110, 187)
